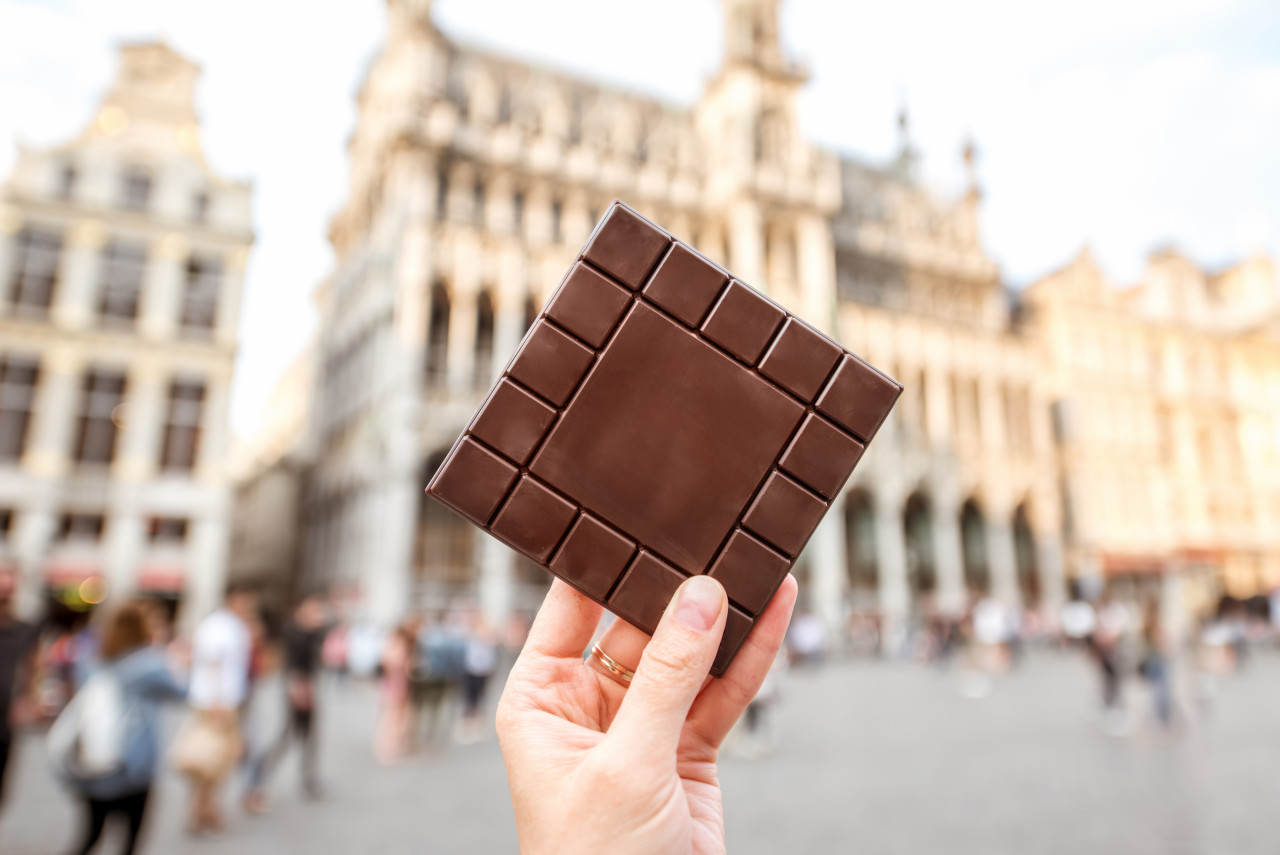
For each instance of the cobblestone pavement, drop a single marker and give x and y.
(871, 757)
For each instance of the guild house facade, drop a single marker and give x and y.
(474, 181)
(121, 259)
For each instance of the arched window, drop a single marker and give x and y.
(918, 525)
(484, 337)
(973, 540)
(860, 552)
(438, 333)
(1024, 551)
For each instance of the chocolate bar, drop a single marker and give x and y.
(662, 419)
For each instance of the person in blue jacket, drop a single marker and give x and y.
(145, 683)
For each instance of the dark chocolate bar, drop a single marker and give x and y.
(662, 419)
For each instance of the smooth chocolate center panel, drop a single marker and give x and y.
(667, 439)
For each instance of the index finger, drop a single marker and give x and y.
(564, 624)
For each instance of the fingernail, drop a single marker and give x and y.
(699, 604)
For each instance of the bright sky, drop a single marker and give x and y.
(1125, 124)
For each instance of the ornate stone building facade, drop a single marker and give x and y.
(1168, 415)
(121, 260)
(475, 179)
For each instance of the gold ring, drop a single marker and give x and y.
(613, 669)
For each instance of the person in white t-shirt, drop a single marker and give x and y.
(221, 654)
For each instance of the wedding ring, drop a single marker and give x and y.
(613, 669)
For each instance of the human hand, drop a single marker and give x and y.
(596, 767)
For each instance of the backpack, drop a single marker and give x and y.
(91, 739)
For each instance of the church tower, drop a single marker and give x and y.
(771, 190)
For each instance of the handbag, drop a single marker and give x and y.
(205, 750)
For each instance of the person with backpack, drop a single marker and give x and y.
(106, 743)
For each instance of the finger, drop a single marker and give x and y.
(624, 643)
(671, 671)
(719, 706)
(564, 625)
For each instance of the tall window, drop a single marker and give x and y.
(200, 294)
(123, 266)
(18, 378)
(182, 425)
(557, 214)
(67, 180)
(103, 393)
(438, 333)
(484, 337)
(442, 194)
(6, 523)
(517, 211)
(135, 189)
(35, 269)
(167, 530)
(82, 527)
(200, 208)
(477, 201)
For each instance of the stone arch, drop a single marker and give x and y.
(484, 335)
(917, 524)
(973, 548)
(1024, 552)
(860, 548)
(437, 343)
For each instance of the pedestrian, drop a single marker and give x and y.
(1106, 643)
(437, 670)
(303, 640)
(107, 743)
(1154, 666)
(479, 664)
(211, 744)
(391, 737)
(17, 669)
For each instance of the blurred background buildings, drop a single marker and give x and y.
(1068, 439)
(121, 257)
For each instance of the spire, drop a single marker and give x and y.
(969, 153)
(752, 37)
(905, 165)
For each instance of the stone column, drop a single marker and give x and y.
(123, 545)
(35, 528)
(74, 297)
(993, 427)
(206, 568)
(389, 549)
(143, 424)
(815, 268)
(827, 562)
(1002, 559)
(462, 314)
(746, 242)
(497, 580)
(891, 560)
(1053, 583)
(211, 456)
(948, 557)
(163, 287)
(10, 225)
(53, 424)
(226, 324)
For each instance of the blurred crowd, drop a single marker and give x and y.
(252, 683)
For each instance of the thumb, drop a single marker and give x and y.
(672, 670)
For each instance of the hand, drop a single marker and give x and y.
(596, 767)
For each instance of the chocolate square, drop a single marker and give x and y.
(800, 359)
(550, 362)
(637, 412)
(686, 284)
(592, 557)
(512, 421)
(533, 519)
(588, 304)
(742, 322)
(822, 455)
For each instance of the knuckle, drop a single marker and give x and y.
(668, 660)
